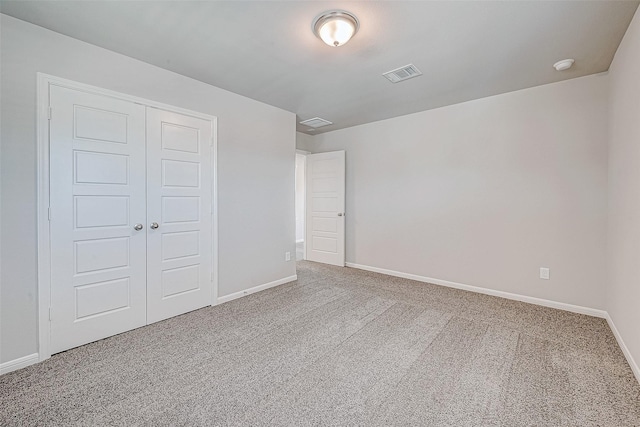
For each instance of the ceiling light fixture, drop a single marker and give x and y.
(336, 27)
(565, 64)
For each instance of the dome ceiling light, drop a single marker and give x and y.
(336, 27)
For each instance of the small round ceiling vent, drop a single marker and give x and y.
(563, 65)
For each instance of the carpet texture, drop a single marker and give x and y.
(339, 347)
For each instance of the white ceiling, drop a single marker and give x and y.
(265, 50)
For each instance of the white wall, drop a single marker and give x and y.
(623, 289)
(485, 192)
(256, 167)
(304, 141)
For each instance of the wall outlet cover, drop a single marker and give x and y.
(544, 273)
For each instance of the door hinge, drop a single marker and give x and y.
(50, 315)
(50, 113)
(49, 214)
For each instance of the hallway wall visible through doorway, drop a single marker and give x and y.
(300, 209)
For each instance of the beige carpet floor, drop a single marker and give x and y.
(339, 347)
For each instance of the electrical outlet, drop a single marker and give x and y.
(544, 273)
(287, 256)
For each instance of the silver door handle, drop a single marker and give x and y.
(340, 214)
(154, 225)
(138, 227)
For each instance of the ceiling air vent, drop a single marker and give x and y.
(402, 73)
(316, 122)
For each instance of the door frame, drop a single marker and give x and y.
(43, 114)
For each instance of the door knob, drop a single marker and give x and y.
(154, 225)
(138, 227)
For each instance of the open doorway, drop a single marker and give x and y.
(300, 203)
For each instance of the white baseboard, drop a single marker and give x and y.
(19, 363)
(623, 347)
(523, 298)
(255, 289)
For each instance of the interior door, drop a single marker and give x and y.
(325, 182)
(179, 216)
(98, 253)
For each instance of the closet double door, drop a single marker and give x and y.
(130, 215)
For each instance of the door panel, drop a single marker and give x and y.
(179, 194)
(97, 179)
(325, 192)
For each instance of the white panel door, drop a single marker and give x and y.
(325, 207)
(97, 179)
(179, 216)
